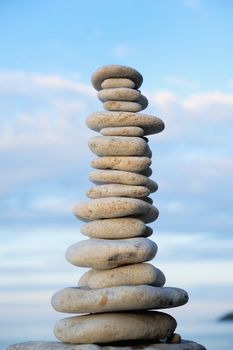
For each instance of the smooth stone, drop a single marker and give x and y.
(116, 207)
(119, 94)
(129, 275)
(147, 172)
(114, 327)
(150, 124)
(116, 190)
(117, 146)
(115, 71)
(106, 254)
(123, 106)
(175, 338)
(116, 228)
(123, 131)
(143, 101)
(117, 83)
(51, 345)
(122, 177)
(122, 298)
(134, 164)
(147, 199)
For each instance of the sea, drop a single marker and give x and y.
(213, 335)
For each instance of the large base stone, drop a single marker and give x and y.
(42, 345)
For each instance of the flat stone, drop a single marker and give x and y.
(123, 106)
(123, 131)
(117, 83)
(116, 228)
(143, 101)
(46, 345)
(150, 124)
(147, 172)
(118, 146)
(106, 254)
(119, 94)
(122, 298)
(129, 275)
(122, 177)
(114, 327)
(116, 207)
(116, 190)
(115, 71)
(147, 199)
(134, 164)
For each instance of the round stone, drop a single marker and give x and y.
(123, 131)
(175, 338)
(115, 71)
(147, 199)
(119, 94)
(117, 146)
(143, 101)
(106, 254)
(116, 190)
(116, 207)
(129, 275)
(122, 106)
(150, 124)
(114, 327)
(116, 228)
(134, 164)
(117, 83)
(122, 298)
(122, 177)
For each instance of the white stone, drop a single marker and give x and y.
(119, 94)
(117, 190)
(123, 131)
(116, 207)
(134, 164)
(129, 275)
(123, 298)
(122, 106)
(116, 228)
(107, 254)
(117, 82)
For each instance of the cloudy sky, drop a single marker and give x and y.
(49, 49)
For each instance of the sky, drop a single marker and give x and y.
(49, 49)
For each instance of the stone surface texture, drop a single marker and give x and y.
(113, 301)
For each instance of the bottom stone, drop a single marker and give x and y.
(42, 345)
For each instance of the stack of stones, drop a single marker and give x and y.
(116, 296)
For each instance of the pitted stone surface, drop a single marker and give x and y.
(117, 83)
(122, 106)
(142, 297)
(114, 207)
(150, 124)
(107, 254)
(115, 71)
(119, 94)
(116, 228)
(122, 177)
(129, 275)
(123, 131)
(114, 327)
(46, 345)
(134, 164)
(117, 190)
(117, 146)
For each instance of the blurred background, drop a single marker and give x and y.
(49, 49)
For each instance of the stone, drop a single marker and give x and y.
(147, 199)
(122, 177)
(147, 172)
(117, 83)
(134, 164)
(117, 146)
(122, 106)
(114, 327)
(175, 338)
(115, 71)
(130, 345)
(114, 207)
(116, 228)
(143, 101)
(119, 94)
(129, 275)
(106, 254)
(123, 131)
(150, 124)
(123, 298)
(116, 190)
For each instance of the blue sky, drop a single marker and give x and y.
(49, 49)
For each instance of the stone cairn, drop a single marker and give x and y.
(115, 295)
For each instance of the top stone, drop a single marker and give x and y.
(115, 71)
